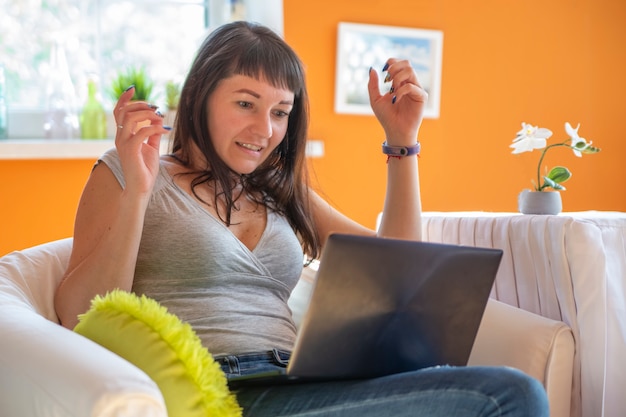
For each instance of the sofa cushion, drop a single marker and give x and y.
(144, 333)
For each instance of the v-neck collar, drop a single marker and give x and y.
(168, 177)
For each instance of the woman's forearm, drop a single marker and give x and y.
(402, 208)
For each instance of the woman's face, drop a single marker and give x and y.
(247, 120)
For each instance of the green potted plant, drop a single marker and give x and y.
(136, 76)
(172, 98)
(172, 94)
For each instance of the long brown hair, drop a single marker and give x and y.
(243, 48)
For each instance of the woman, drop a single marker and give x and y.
(217, 229)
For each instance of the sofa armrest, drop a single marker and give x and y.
(47, 370)
(540, 347)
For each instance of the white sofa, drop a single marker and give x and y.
(49, 371)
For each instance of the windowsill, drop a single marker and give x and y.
(13, 149)
(57, 148)
(53, 149)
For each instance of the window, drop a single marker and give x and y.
(100, 38)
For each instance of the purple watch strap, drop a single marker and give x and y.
(401, 150)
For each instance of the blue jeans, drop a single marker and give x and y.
(439, 391)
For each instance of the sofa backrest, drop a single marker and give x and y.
(29, 278)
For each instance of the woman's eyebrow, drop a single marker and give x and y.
(257, 95)
(248, 91)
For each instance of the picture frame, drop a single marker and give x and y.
(361, 46)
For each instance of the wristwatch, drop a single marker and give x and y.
(401, 150)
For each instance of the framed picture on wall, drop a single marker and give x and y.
(362, 46)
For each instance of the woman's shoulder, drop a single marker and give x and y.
(111, 159)
(109, 154)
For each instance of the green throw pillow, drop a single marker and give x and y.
(144, 333)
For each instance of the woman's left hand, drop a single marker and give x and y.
(400, 111)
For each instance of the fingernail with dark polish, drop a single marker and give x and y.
(393, 100)
(158, 113)
(153, 106)
(386, 66)
(130, 88)
(167, 127)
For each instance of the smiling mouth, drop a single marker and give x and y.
(249, 146)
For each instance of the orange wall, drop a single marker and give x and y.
(38, 200)
(504, 62)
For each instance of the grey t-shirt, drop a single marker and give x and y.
(189, 261)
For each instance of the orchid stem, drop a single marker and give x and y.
(543, 154)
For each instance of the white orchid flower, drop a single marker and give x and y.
(578, 143)
(530, 137)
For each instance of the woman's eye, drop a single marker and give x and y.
(280, 113)
(244, 104)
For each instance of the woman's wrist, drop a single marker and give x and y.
(401, 151)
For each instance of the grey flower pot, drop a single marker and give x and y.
(540, 202)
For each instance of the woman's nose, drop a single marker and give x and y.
(263, 125)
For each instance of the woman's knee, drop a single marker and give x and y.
(516, 393)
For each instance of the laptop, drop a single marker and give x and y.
(382, 306)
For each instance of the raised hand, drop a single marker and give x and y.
(137, 139)
(400, 111)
